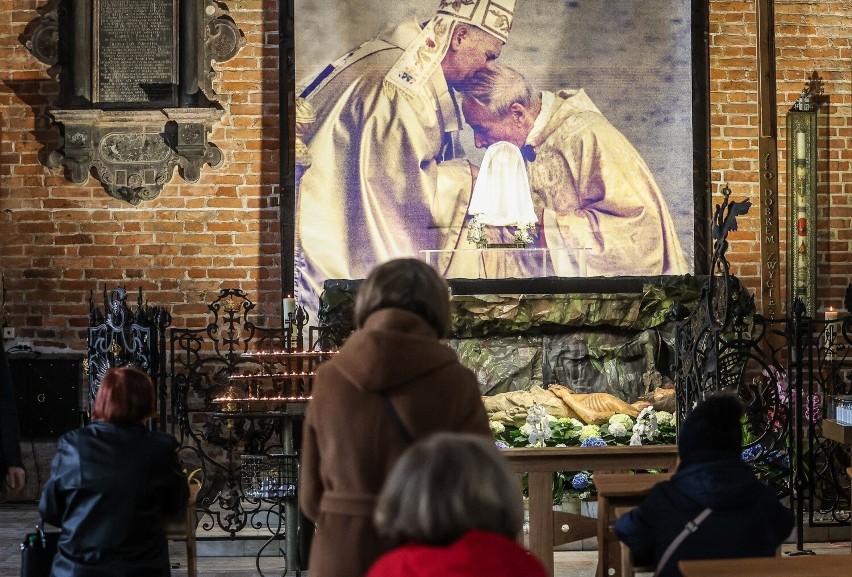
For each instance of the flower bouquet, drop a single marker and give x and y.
(542, 430)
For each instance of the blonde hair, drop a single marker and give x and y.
(409, 284)
(446, 485)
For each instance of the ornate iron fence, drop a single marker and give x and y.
(785, 372)
(123, 336)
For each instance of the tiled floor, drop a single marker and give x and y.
(17, 519)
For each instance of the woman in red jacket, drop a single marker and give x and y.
(454, 502)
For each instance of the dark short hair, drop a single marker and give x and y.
(713, 429)
(409, 284)
(126, 395)
(446, 485)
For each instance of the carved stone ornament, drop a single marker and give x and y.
(134, 153)
(136, 93)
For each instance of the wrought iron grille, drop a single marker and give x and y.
(123, 336)
(206, 366)
(783, 370)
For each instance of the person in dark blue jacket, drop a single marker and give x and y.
(745, 517)
(111, 485)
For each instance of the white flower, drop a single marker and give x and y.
(635, 440)
(652, 432)
(537, 411)
(537, 428)
(496, 427)
(536, 439)
(589, 431)
(646, 413)
(665, 418)
(621, 419)
(617, 430)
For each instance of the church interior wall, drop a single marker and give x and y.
(61, 240)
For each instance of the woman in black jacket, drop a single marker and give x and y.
(744, 517)
(111, 485)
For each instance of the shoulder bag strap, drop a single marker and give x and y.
(403, 430)
(688, 529)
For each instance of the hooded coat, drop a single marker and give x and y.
(476, 554)
(747, 519)
(350, 442)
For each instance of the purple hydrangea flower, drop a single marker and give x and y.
(593, 442)
(580, 481)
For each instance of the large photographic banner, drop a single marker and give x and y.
(383, 167)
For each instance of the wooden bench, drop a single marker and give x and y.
(541, 463)
(182, 526)
(838, 432)
(800, 566)
(617, 493)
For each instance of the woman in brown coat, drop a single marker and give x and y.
(392, 382)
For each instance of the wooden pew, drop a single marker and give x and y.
(800, 566)
(542, 463)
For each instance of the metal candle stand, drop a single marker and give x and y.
(274, 478)
(238, 392)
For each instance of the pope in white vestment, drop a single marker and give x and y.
(384, 180)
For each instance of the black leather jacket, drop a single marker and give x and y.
(110, 487)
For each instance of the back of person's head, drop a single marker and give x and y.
(497, 87)
(446, 485)
(126, 395)
(713, 430)
(407, 284)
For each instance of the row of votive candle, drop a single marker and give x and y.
(843, 411)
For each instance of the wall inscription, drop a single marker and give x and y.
(136, 52)
(135, 100)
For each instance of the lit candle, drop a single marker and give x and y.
(830, 333)
(800, 146)
(288, 306)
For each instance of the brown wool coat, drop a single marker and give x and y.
(350, 442)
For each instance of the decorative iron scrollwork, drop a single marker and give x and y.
(782, 371)
(212, 363)
(120, 336)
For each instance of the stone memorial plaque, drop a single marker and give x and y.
(135, 56)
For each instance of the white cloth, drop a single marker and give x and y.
(501, 195)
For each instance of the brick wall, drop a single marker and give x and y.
(811, 37)
(60, 240)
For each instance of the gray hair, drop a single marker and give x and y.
(446, 485)
(409, 284)
(497, 87)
